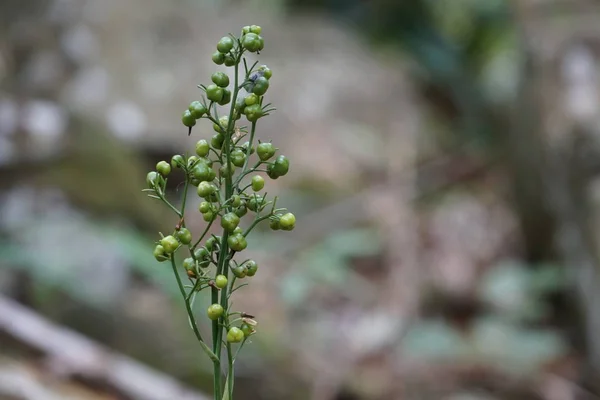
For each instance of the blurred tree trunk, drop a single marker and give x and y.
(553, 136)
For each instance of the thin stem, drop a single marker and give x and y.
(185, 192)
(230, 360)
(254, 223)
(201, 237)
(171, 206)
(210, 353)
(224, 248)
(216, 350)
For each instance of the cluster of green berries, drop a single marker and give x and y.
(228, 172)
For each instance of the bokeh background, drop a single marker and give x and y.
(445, 177)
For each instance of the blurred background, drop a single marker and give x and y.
(445, 175)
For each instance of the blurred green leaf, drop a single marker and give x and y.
(433, 339)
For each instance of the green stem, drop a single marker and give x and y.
(216, 365)
(171, 206)
(256, 222)
(230, 360)
(191, 317)
(224, 250)
(185, 192)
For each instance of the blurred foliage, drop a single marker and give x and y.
(463, 52)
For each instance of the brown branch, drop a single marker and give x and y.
(81, 357)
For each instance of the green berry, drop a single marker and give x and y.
(201, 254)
(274, 224)
(223, 123)
(204, 207)
(255, 29)
(159, 253)
(226, 97)
(214, 311)
(246, 29)
(258, 183)
(217, 141)
(163, 168)
(267, 73)
(247, 329)
(261, 85)
(251, 267)
(208, 216)
(202, 148)
(201, 172)
(177, 161)
(251, 42)
(253, 112)
(221, 281)
(261, 43)
(218, 58)
(235, 335)
(256, 203)
(236, 200)
(214, 93)
(225, 45)
(197, 109)
(169, 244)
(227, 170)
(287, 221)
(229, 61)
(189, 264)
(265, 151)
(251, 99)
(237, 242)
(229, 222)
(245, 148)
(241, 211)
(240, 271)
(152, 179)
(188, 119)
(184, 236)
(220, 79)
(238, 157)
(205, 189)
(192, 160)
(281, 166)
(210, 243)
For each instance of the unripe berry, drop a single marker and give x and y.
(169, 244)
(235, 335)
(221, 281)
(214, 311)
(163, 168)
